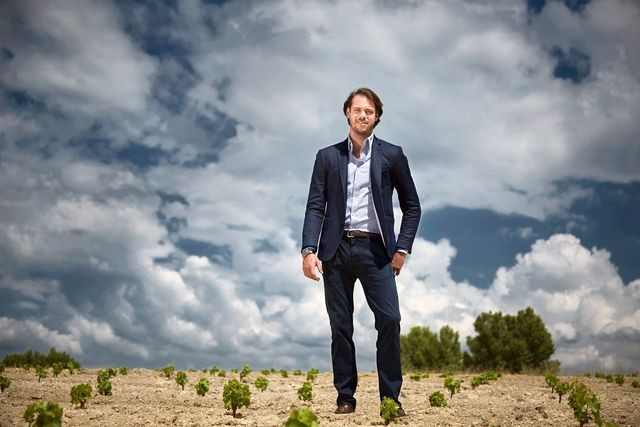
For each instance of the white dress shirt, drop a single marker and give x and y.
(360, 214)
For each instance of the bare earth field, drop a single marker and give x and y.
(145, 398)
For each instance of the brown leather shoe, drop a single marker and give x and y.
(344, 408)
(401, 413)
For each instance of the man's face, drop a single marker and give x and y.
(362, 116)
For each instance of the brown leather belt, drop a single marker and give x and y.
(350, 234)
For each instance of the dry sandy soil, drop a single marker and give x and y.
(144, 398)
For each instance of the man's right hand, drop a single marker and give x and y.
(309, 264)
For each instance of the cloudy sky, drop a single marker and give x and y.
(155, 160)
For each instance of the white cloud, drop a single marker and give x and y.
(34, 289)
(581, 298)
(77, 58)
(101, 333)
(13, 331)
(477, 109)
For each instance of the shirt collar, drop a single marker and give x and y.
(365, 147)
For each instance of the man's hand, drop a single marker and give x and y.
(397, 262)
(309, 264)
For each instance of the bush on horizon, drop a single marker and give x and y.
(507, 342)
(422, 349)
(35, 358)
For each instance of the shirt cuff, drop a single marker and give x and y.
(402, 251)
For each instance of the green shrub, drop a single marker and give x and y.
(112, 372)
(234, 370)
(222, 373)
(562, 388)
(261, 383)
(5, 382)
(123, 370)
(619, 379)
(214, 370)
(181, 379)
(236, 395)
(297, 372)
(43, 414)
(202, 387)
(389, 410)
(415, 376)
(609, 378)
(452, 385)
(168, 370)
(635, 384)
(484, 378)
(71, 368)
(302, 418)
(492, 375)
(56, 369)
(551, 381)
(477, 381)
(423, 349)
(312, 374)
(510, 342)
(437, 399)
(246, 370)
(105, 387)
(284, 373)
(265, 371)
(585, 404)
(2, 367)
(33, 358)
(80, 394)
(102, 376)
(305, 392)
(41, 372)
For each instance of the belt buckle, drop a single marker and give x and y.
(350, 234)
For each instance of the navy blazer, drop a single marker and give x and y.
(327, 202)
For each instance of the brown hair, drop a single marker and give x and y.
(367, 93)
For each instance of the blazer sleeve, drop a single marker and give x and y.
(316, 202)
(409, 202)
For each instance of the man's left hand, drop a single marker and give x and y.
(397, 262)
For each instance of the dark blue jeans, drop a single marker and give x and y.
(365, 259)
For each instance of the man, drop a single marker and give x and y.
(348, 234)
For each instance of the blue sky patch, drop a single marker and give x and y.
(486, 240)
(221, 254)
(572, 64)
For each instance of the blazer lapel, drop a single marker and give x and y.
(376, 187)
(343, 160)
(376, 169)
